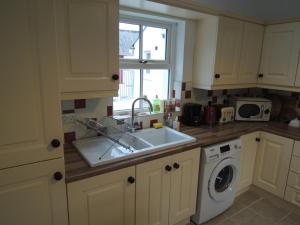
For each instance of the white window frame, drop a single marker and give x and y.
(168, 63)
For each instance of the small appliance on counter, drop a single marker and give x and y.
(226, 115)
(192, 114)
(252, 109)
(210, 114)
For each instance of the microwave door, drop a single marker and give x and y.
(248, 111)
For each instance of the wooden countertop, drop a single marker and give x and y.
(77, 168)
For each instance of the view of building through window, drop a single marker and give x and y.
(144, 66)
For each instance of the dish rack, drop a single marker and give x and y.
(116, 131)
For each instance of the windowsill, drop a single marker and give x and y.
(126, 114)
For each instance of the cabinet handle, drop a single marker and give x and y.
(260, 75)
(58, 176)
(168, 168)
(55, 143)
(143, 61)
(176, 165)
(217, 76)
(257, 139)
(131, 180)
(115, 77)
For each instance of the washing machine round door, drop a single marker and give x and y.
(223, 179)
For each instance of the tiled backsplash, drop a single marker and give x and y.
(98, 108)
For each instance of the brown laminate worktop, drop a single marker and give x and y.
(77, 168)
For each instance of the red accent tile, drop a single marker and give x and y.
(79, 103)
(210, 93)
(109, 110)
(183, 86)
(188, 94)
(180, 119)
(69, 137)
(177, 102)
(152, 122)
(69, 111)
(214, 99)
(224, 92)
(173, 94)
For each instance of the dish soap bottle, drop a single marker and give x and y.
(156, 105)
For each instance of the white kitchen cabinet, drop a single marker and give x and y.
(248, 155)
(166, 189)
(105, 199)
(29, 195)
(251, 53)
(227, 53)
(30, 109)
(280, 55)
(272, 163)
(88, 47)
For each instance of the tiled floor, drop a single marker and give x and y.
(255, 207)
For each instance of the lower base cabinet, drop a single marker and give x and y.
(248, 154)
(107, 199)
(30, 194)
(160, 192)
(166, 189)
(272, 163)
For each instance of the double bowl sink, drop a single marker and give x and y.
(101, 150)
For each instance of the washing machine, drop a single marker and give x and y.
(219, 171)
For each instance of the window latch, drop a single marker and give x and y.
(143, 61)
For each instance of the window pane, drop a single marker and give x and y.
(129, 89)
(129, 40)
(154, 43)
(156, 82)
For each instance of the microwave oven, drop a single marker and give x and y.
(252, 109)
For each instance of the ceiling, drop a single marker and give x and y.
(264, 10)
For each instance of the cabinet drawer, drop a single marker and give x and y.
(294, 180)
(292, 195)
(295, 164)
(296, 151)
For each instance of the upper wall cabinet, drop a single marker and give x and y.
(227, 53)
(280, 55)
(29, 95)
(88, 47)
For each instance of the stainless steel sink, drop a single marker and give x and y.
(101, 150)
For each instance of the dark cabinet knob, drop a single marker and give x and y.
(168, 168)
(58, 175)
(260, 75)
(176, 165)
(257, 139)
(217, 76)
(55, 143)
(115, 77)
(131, 180)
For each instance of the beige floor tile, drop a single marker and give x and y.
(216, 220)
(227, 222)
(247, 217)
(269, 210)
(291, 219)
(248, 198)
(235, 208)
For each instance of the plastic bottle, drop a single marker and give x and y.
(156, 105)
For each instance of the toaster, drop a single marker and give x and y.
(227, 115)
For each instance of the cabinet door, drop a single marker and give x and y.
(250, 53)
(105, 199)
(88, 44)
(30, 196)
(184, 183)
(153, 192)
(248, 154)
(297, 82)
(272, 163)
(280, 54)
(29, 95)
(228, 51)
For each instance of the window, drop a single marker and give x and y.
(145, 62)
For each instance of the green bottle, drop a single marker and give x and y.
(156, 105)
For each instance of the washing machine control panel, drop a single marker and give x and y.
(222, 150)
